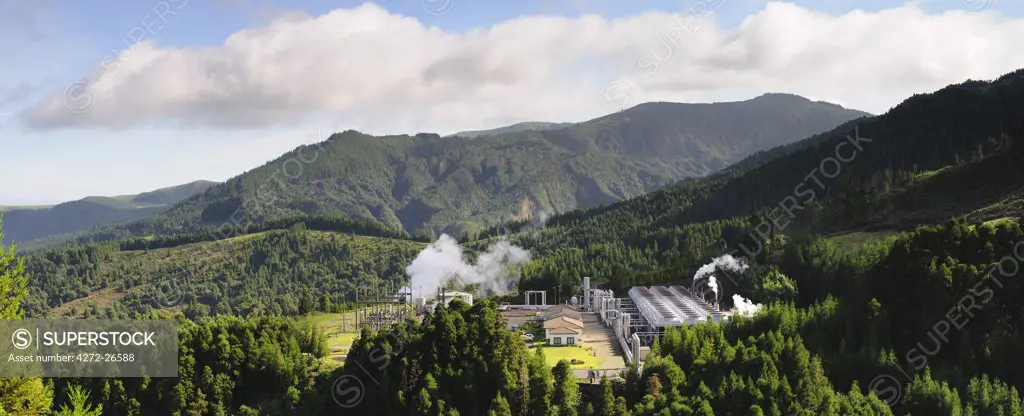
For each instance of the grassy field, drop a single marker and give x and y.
(568, 352)
(855, 239)
(340, 330)
(101, 299)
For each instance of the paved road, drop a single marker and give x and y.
(602, 340)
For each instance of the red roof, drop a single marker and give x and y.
(563, 322)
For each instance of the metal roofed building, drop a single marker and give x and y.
(664, 306)
(639, 318)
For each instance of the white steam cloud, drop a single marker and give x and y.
(541, 218)
(725, 262)
(495, 270)
(741, 305)
(744, 306)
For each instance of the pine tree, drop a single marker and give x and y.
(541, 384)
(499, 407)
(567, 392)
(620, 407)
(654, 386)
(606, 400)
(18, 396)
(80, 405)
(12, 281)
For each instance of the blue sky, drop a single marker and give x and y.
(216, 87)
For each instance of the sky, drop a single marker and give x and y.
(112, 97)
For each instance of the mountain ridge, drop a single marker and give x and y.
(513, 128)
(430, 184)
(972, 133)
(27, 223)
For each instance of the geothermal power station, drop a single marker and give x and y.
(638, 319)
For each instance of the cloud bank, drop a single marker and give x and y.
(384, 71)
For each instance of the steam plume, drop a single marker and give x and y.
(726, 262)
(745, 306)
(495, 270)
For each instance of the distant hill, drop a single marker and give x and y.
(4, 208)
(27, 223)
(928, 148)
(457, 185)
(698, 139)
(171, 195)
(515, 128)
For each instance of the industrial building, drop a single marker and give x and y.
(448, 296)
(663, 306)
(424, 305)
(640, 317)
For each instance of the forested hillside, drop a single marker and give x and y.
(429, 184)
(281, 272)
(933, 157)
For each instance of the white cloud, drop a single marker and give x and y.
(384, 72)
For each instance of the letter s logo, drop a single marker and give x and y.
(21, 339)
(348, 391)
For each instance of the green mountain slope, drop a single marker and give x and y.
(957, 146)
(458, 185)
(958, 125)
(236, 275)
(699, 139)
(24, 224)
(951, 153)
(171, 195)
